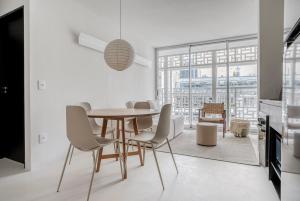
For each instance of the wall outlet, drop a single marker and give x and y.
(43, 138)
(41, 84)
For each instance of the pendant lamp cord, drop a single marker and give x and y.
(120, 19)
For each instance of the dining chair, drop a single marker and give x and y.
(81, 136)
(129, 104)
(160, 136)
(95, 127)
(143, 123)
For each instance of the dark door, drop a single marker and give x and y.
(12, 126)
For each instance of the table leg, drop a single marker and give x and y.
(135, 127)
(118, 137)
(103, 132)
(124, 149)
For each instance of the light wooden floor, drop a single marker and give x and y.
(198, 180)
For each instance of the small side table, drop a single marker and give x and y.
(239, 127)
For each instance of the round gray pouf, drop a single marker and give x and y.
(206, 134)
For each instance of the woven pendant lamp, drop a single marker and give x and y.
(119, 54)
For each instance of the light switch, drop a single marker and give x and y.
(43, 137)
(41, 84)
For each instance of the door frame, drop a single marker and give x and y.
(7, 9)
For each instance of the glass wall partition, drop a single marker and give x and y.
(223, 72)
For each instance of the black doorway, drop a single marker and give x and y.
(12, 124)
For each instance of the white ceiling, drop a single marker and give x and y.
(170, 22)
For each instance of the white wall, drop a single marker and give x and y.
(270, 48)
(74, 73)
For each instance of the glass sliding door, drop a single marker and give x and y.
(203, 77)
(173, 80)
(221, 74)
(224, 72)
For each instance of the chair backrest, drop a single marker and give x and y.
(79, 131)
(87, 107)
(213, 108)
(163, 127)
(129, 104)
(293, 111)
(143, 122)
(153, 104)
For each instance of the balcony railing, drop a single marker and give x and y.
(242, 101)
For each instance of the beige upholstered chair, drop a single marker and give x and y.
(142, 122)
(213, 108)
(129, 104)
(153, 104)
(95, 127)
(154, 140)
(81, 137)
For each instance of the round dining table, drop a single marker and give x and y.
(119, 115)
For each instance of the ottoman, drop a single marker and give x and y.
(206, 134)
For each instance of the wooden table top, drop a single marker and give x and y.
(121, 113)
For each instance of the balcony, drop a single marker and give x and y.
(243, 101)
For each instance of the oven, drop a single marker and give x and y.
(263, 139)
(278, 151)
(275, 159)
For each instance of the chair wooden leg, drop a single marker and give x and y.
(103, 132)
(64, 168)
(157, 165)
(224, 129)
(115, 148)
(140, 153)
(136, 132)
(127, 149)
(144, 153)
(131, 142)
(118, 137)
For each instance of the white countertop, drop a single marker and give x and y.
(273, 108)
(277, 103)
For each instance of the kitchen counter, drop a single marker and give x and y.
(275, 103)
(273, 108)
